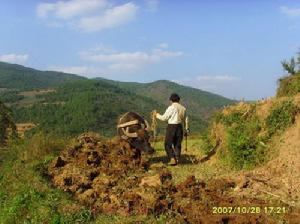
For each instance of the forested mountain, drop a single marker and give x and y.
(67, 104)
(200, 103)
(84, 106)
(14, 76)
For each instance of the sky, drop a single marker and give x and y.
(229, 47)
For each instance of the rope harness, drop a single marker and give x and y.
(186, 134)
(153, 127)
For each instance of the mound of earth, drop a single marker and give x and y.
(113, 178)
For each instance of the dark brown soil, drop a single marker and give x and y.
(113, 178)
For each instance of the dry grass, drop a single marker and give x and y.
(23, 127)
(188, 163)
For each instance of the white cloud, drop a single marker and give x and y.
(125, 67)
(217, 78)
(292, 12)
(128, 61)
(116, 16)
(69, 9)
(152, 5)
(155, 55)
(14, 58)
(86, 15)
(163, 45)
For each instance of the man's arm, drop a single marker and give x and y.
(166, 115)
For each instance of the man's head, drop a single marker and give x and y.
(174, 98)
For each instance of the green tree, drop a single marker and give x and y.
(289, 66)
(7, 125)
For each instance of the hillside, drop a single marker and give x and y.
(18, 77)
(115, 189)
(262, 137)
(199, 103)
(88, 105)
(83, 106)
(247, 162)
(69, 104)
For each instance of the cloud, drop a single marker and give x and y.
(14, 58)
(217, 78)
(69, 9)
(135, 57)
(86, 15)
(116, 16)
(292, 12)
(152, 5)
(128, 61)
(163, 45)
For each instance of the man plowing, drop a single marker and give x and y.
(176, 116)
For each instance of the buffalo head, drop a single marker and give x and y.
(135, 129)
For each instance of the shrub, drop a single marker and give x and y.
(228, 120)
(243, 142)
(207, 143)
(245, 146)
(289, 86)
(246, 143)
(282, 115)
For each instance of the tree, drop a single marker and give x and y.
(290, 66)
(7, 125)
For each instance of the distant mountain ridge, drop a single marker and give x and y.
(76, 104)
(199, 102)
(23, 78)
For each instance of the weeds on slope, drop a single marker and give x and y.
(247, 135)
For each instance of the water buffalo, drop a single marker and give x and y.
(134, 129)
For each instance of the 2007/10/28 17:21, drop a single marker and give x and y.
(249, 210)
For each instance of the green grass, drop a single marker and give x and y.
(26, 195)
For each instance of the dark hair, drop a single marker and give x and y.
(174, 97)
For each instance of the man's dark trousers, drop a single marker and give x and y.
(174, 136)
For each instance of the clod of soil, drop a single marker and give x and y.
(114, 178)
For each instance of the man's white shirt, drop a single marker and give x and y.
(175, 114)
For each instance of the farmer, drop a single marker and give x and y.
(175, 114)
